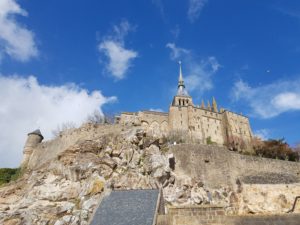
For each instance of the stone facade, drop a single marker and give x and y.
(215, 215)
(204, 124)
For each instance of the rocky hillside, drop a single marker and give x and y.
(67, 177)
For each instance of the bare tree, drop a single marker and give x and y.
(99, 118)
(96, 117)
(297, 149)
(62, 128)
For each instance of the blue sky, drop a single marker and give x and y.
(61, 60)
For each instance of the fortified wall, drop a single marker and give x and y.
(218, 167)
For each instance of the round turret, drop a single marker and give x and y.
(34, 138)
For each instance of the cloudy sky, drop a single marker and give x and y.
(62, 60)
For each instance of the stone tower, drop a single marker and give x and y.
(182, 102)
(33, 139)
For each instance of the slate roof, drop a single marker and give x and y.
(37, 132)
(128, 207)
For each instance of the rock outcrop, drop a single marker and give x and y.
(66, 185)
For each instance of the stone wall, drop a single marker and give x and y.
(215, 215)
(49, 150)
(196, 215)
(237, 126)
(199, 123)
(155, 123)
(217, 167)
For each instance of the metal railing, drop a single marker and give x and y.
(294, 205)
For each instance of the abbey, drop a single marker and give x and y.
(204, 124)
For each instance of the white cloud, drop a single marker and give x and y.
(156, 110)
(195, 8)
(27, 105)
(177, 52)
(119, 59)
(15, 40)
(269, 100)
(198, 74)
(264, 134)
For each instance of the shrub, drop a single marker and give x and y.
(276, 149)
(9, 174)
(236, 143)
(209, 141)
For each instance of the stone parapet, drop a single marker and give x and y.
(215, 215)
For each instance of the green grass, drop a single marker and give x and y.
(9, 174)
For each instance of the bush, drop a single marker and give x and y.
(276, 149)
(236, 143)
(9, 174)
(209, 141)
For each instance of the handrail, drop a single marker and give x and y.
(294, 205)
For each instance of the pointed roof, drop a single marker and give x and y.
(208, 105)
(180, 72)
(181, 87)
(202, 104)
(36, 132)
(214, 105)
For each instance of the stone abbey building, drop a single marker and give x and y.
(202, 123)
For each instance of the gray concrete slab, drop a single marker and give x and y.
(128, 207)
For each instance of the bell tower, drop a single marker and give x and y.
(181, 105)
(182, 97)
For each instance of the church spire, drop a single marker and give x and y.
(181, 87)
(202, 104)
(208, 105)
(180, 74)
(214, 105)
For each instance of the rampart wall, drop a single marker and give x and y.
(217, 166)
(48, 150)
(215, 215)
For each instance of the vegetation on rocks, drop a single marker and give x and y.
(9, 174)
